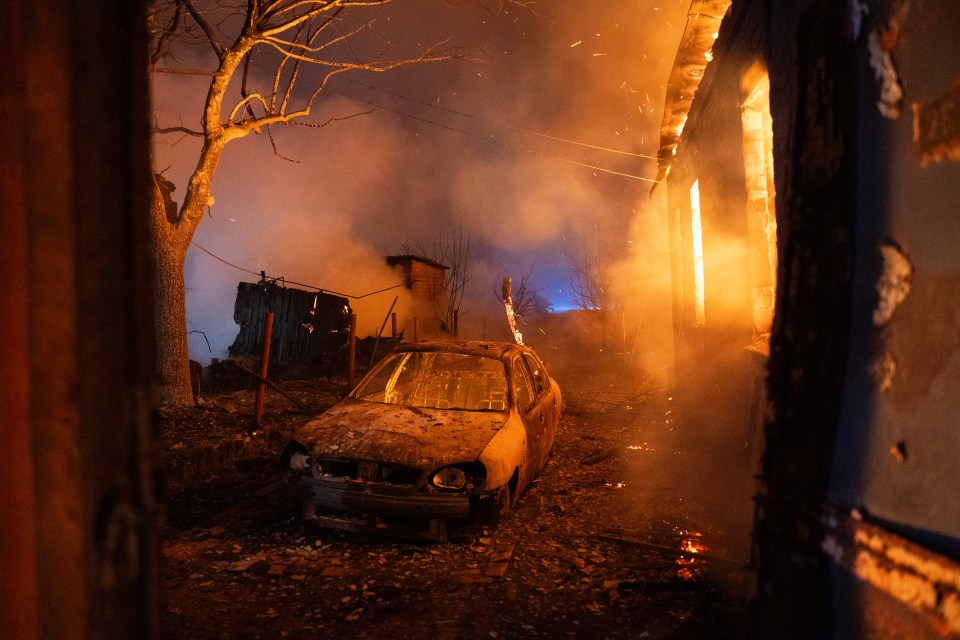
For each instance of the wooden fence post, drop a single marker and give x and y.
(264, 362)
(352, 351)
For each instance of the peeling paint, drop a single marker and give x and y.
(881, 41)
(890, 102)
(924, 341)
(894, 283)
(919, 578)
(883, 371)
(936, 127)
(899, 451)
(906, 587)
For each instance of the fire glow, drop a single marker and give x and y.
(692, 551)
(696, 228)
(691, 546)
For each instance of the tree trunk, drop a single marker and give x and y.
(173, 360)
(170, 313)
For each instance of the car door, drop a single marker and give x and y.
(532, 414)
(547, 399)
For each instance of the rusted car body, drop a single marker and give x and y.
(438, 431)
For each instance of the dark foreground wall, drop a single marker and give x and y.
(899, 438)
(77, 511)
(857, 527)
(865, 355)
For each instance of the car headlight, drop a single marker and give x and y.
(459, 476)
(296, 456)
(449, 478)
(300, 462)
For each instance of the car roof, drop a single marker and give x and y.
(484, 348)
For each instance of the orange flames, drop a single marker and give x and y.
(688, 570)
(690, 546)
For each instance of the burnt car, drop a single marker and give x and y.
(436, 432)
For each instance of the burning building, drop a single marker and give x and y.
(809, 152)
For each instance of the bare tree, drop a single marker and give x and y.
(588, 278)
(269, 62)
(527, 300)
(453, 250)
(589, 266)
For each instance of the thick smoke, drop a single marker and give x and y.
(485, 143)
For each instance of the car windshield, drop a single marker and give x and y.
(438, 381)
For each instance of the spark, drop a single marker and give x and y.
(576, 43)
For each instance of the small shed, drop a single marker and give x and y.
(422, 276)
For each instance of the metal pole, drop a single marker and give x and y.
(352, 350)
(264, 361)
(376, 343)
(415, 339)
(393, 323)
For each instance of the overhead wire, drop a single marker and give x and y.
(285, 281)
(507, 126)
(488, 138)
(492, 140)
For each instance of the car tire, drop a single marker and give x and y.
(499, 506)
(308, 509)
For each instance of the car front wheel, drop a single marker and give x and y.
(497, 506)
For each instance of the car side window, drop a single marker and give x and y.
(539, 374)
(525, 394)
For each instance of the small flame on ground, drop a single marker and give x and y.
(690, 546)
(687, 570)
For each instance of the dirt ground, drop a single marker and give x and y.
(613, 541)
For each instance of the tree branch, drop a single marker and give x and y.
(189, 132)
(184, 71)
(207, 29)
(313, 13)
(166, 34)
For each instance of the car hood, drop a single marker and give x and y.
(412, 436)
